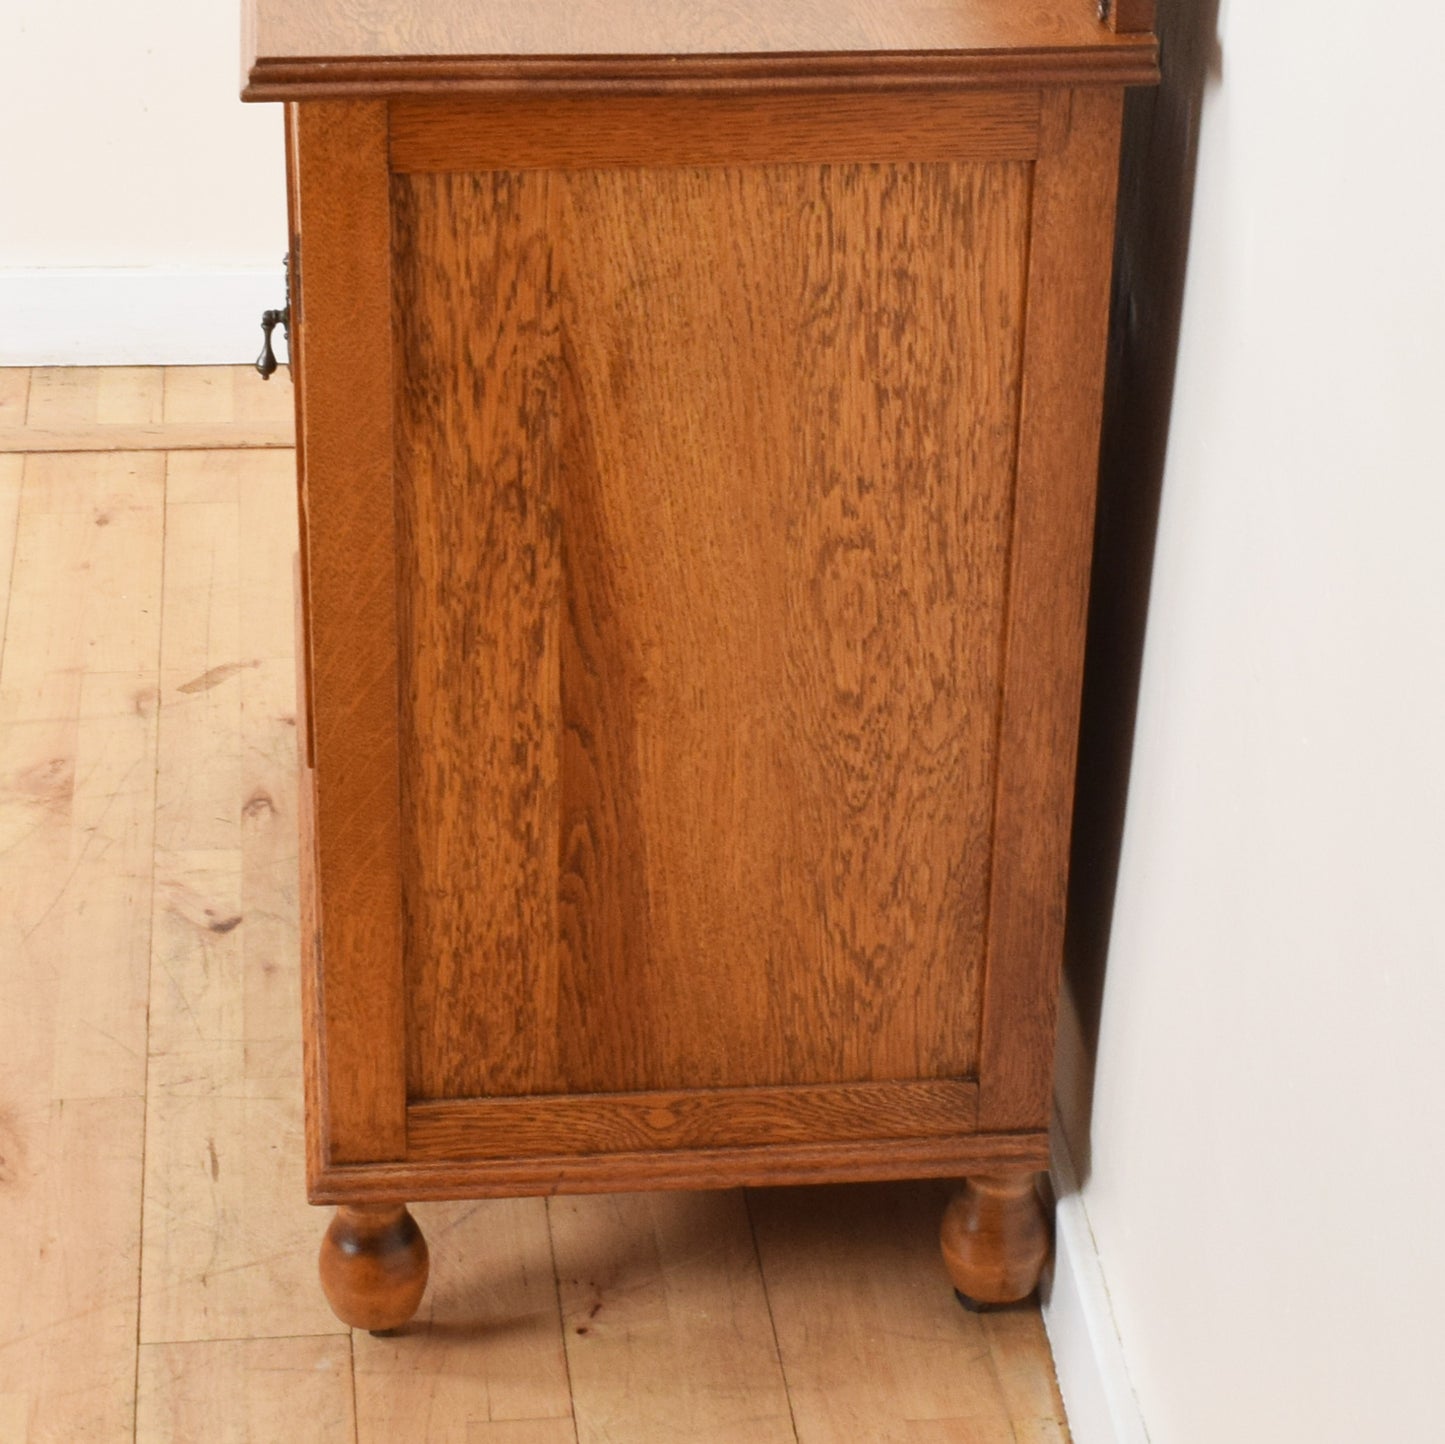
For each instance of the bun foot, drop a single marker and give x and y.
(374, 1265)
(995, 1239)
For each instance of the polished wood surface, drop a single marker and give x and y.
(590, 132)
(827, 1161)
(1070, 263)
(694, 564)
(835, 1293)
(1130, 16)
(343, 212)
(995, 1238)
(654, 670)
(213, 1158)
(767, 566)
(374, 1266)
(644, 1122)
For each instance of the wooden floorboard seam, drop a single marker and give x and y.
(557, 1293)
(150, 965)
(772, 1320)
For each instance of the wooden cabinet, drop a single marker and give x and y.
(698, 428)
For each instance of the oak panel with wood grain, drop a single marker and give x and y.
(480, 615)
(1069, 275)
(348, 531)
(592, 133)
(616, 1123)
(737, 573)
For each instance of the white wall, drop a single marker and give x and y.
(142, 206)
(1267, 1140)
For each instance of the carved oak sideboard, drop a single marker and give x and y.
(698, 415)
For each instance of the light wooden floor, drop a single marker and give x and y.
(157, 1269)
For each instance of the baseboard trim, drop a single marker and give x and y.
(1079, 1316)
(135, 316)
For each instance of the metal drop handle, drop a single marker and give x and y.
(266, 362)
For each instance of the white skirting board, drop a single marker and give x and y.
(141, 316)
(1088, 1354)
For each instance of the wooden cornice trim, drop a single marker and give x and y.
(1133, 62)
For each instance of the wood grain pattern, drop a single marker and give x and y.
(795, 641)
(786, 515)
(479, 571)
(313, 1081)
(995, 1238)
(338, 46)
(868, 1160)
(374, 1265)
(819, 76)
(1069, 274)
(865, 1319)
(151, 437)
(14, 394)
(632, 1122)
(589, 133)
(70, 1199)
(228, 1241)
(485, 1359)
(666, 1320)
(81, 540)
(12, 469)
(296, 376)
(143, 408)
(349, 526)
(246, 1391)
(74, 396)
(78, 701)
(209, 395)
(1130, 16)
(1019, 1352)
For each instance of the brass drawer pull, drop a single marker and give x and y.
(266, 362)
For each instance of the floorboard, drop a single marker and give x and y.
(77, 807)
(666, 1320)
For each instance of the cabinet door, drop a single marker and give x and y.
(697, 528)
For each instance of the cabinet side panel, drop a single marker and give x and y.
(339, 154)
(1069, 274)
(480, 614)
(706, 489)
(790, 404)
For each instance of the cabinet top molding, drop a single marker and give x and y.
(298, 49)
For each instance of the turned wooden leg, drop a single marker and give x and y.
(374, 1265)
(995, 1239)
